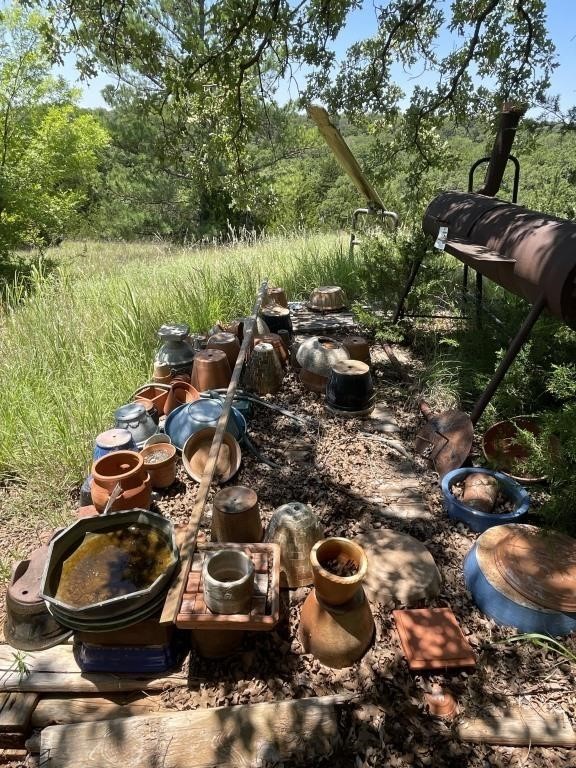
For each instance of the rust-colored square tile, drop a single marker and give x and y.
(432, 639)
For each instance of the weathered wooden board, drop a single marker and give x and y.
(15, 711)
(306, 321)
(56, 670)
(10, 755)
(518, 726)
(234, 737)
(61, 711)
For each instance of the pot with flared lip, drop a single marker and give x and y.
(334, 554)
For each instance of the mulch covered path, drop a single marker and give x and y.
(346, 478)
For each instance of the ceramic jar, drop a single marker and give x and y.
(160, 463)
(228, 343)
(180, 392)
(263, 373)
(277, 318)
(211, 370)
(136, 420)
(358, 348)
(337, 553)
(235, 515)
(350, 390)
(127, 469)
(279, 346)
(113, 440)
(177, 350)
(228, 577)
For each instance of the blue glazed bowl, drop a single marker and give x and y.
(473, 518)
(192, 417)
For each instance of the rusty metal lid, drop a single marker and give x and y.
(540, 565)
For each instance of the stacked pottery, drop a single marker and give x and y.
(316, 357)
(162, 374)
(336, 623)
(151, 410)
(135, 418)
(358, 348)
(211, 370)
(156, 395)
(125, 468)
(279, 346)
(263, 373)
(228, 343)
(277, 318)
(160, 463)
(180, 392)
(235, 515)
(350, 390)
(177, 350)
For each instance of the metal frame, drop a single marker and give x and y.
(370, 211)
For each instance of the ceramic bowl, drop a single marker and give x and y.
(327, 298)
(197, 448)
(192, 417)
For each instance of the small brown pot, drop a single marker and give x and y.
(180, 392)
(196, 450)
(151, 409)
(162, 473)
(161, 372)
(228, 343)
(277, 343)
(211, 370)
(312, 381)
(358, 348)
(156, 395)
(350, 390)
(235, 515)
(126, 468)
(480, 491)
(263, 373)
(327, 298)
(276, 296)
(333, 589)
(181, 377)
(277, 318)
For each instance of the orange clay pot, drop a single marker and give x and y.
(162, 473)
(180, 392)
(126, 468)
(227, 343)
(333, 589)
(211, 370)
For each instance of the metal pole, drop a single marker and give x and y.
(515, 347)
(413, 272)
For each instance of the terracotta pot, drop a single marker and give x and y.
(163, 471)
(441, 703)
(327, 298)
(196, 450)
(263, 373)
(331, 588)
(151, 409)
(336, 635)
(312, 381)
(228, 343)
(279, 346)
(181, 377)
(211, 370)
(319, 354)
(277, 318)
(480, 491)
(126, 468)
(162, 379)
(358, 348)
(228, 578)
(180, 392)
(235, 515)
(161, 371)
(156, 395)
(276, 296)
(350, 390)
(233, 327)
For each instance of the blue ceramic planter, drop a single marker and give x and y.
(113, 440)
(473, 518)
(190, 418)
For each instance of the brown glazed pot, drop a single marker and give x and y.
(156, 395)
(126, 468)
(276, 296)
(263, 373)
(228, 343)
(358, 348)
(277, 343)
(162, 473)
(350, 390)
(180, 392)
(211, 370)
(235, 515)
(277, 318)
(337, 635)
(332, 589)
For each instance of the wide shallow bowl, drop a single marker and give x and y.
(504, 449)
(197, 448)
(327, 298)
(115, 608)
(474, 518)
(192, 417)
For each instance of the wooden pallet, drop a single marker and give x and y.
(265, 610)
(305, 320)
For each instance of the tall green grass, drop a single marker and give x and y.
(84, 338)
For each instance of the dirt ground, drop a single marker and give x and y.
(343, 476)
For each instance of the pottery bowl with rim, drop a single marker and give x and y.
(327, 298)
(197, 449)
(192, 417)
(503, 447)
(334, 589)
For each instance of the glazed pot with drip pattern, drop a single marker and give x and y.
(177, 350)
(127, 469)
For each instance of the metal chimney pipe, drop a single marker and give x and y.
(509, 119)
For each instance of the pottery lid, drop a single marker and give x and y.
(130, 412)
(175, 332)
(114, 438)
(351, 368)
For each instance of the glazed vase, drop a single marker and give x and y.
(127, 469)
(319, 354)
(113, 440)
(296, 528)
(263, 373)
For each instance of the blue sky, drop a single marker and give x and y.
(561, 24)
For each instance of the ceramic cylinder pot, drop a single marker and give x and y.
(127, 469)
(160, 463)
(332, 560)
(350, 390)
(113, 440)
(161, 372)
(180, 392)
(134, 418)
(276, 295)
(263, 373)
(211, 370)
(235, 515)
(277, 343)
(228, 577)
(228, 343)
(277, 318)
(177, 350)
(358, 348)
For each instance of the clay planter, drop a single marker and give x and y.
(113, 440)
(162, 472)
(162, 373)
(276, 296)
(156, 395)
(480, 491)
(333, 589)
(277, 318)
(211, 370)
(235, 516)
(350, 390)
(296, 528)
(196, 450)
(279, 346)
(180, 392)
(126, 468)
(228, 577)
(228, 343)
(312, 381)
(263, 373)
(327, 298)
(358, 349)
(151, 409)
(319, 354)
